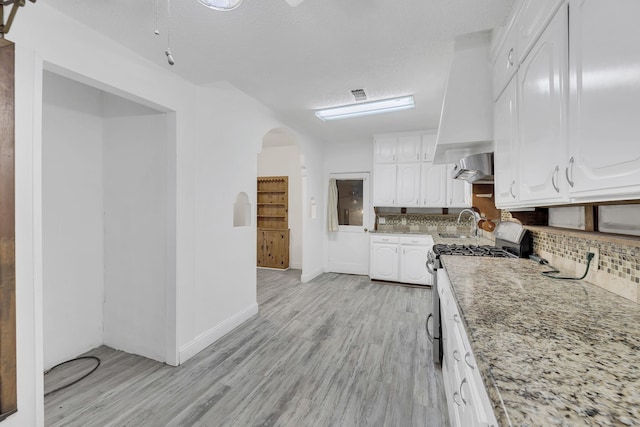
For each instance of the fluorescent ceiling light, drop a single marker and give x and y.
(221, 4)
(366, 108)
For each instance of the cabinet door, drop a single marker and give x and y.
(260, 249)
(458, 191)
(409, 148)
(412, 265)
(543, 148)
(384, 262)
(505, 130)
(385, 150)
(276, 249)
(429, 147)
(506, 63)
(604, 100)
(433, 186)
(384, 185)
(532, 20)
(408, 188)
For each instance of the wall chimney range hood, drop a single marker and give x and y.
(475, 169)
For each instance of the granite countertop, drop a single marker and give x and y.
(551, 352)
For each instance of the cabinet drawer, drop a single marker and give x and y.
(531, 22)
(506, 63)
(417, 240)
(385, 239)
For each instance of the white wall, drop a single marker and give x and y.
(348, 252)
(285, 161)
(215, 159)
(72, 219)
(135, 195)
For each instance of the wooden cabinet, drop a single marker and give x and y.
(506, 143)
(273, 248)
(433, 185)
(604, 146)
(467, 399)
(273, 222)
(408, 185)
(542, 143)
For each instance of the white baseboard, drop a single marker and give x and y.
(307, 277)
(205, 339)
(347, 268)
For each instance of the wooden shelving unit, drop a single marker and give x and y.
(273, 222)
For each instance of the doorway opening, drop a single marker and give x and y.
(108, 227)
(280, 160)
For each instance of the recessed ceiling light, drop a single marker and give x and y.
(366, 108)
(221, 4)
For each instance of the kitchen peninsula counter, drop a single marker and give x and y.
(550, 352)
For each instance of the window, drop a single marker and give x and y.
(350, 201)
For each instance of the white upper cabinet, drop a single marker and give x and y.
(409, 148)
(505, 63)
(433, 185)
(506, 156)
(532, 20)
(458, 191)
(408, 185)
(542, 81)
(428, 147)
(384, 184)
(604, 133)
(385, 150)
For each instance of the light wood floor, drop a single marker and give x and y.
(338, 351)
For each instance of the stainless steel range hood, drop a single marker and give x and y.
(475, 169)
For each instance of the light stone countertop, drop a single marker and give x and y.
(551, 352)
(438, 239)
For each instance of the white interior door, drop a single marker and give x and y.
(348, 248)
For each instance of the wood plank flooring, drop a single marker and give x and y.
(337, 351)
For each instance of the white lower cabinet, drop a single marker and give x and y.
(467, 399)
(400, 258)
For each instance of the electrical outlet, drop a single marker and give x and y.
(595, 262)
(382, 220)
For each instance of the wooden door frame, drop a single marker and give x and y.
(8, 391)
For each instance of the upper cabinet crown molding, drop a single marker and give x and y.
(466, 122)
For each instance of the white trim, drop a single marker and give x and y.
(307, 277)
(207, 338)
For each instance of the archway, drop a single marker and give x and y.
(281, 156)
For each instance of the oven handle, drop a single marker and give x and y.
(426, 326)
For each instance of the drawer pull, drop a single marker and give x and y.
(461, 384)
(455, 396)
(427, 327)
(468, 360)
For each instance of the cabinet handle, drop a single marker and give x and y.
(511, 189)
(417, 156)
(393, 157)
(426, 326)
(467, 357)
(455, 394)
(556, 171)
(456, 318)
(510, 57)
(461, 397)
(569, 171)
(456, 352)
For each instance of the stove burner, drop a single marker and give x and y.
(471, 250)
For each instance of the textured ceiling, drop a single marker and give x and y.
(296, 59)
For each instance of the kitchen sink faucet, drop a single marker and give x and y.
(474, 222)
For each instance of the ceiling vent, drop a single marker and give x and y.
(359, 94)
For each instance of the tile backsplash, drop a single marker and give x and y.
(423, 223)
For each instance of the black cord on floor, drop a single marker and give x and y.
(79, 379)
